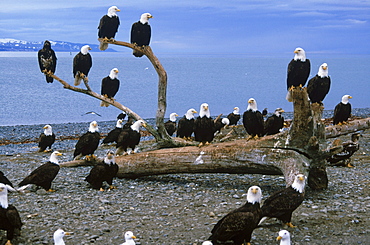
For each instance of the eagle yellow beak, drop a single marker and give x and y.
(349, 97)
(279, 238)
(301, 178)
(282, 111)
(59, 154)
(296, 51)
(250, 101)
(195, 112)
(254, 190)
(118, 10)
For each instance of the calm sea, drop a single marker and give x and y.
(222, 81)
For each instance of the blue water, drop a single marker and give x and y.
(222, 81)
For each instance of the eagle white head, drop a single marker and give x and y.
(113, 73)
(299, 54)
(252, 104)
(190, 113)
(136, 126)
(236, 110)
(110, 158)
(299, 183)
(345, 99)
(254, 194)
(144, 18)
(129, 238)
(119, 123)
(93, 127)
(112, 11)
(284, 237)
(279, 111)
(48, 131)
(58, 236)
(173, 117)
(323, 70)
(204, 110)
(85, 49)
(54, 157)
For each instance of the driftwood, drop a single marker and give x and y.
(302, 149)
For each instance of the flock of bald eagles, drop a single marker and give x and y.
(234, 228)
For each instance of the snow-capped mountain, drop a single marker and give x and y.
(8, 44)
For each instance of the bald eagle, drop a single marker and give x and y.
(82, 63)
(298, 71)
(47, 60)
(108, 26)
(238, 225)
(10, 220)
(129, 138)
(318, 86)
(284, 237)
(88, 142)
(104, 171)
(185, 127)
(220, 124)
(234, 116)
(4, 179)
(253, 120)
(342, 111)
(46, 139)
(274, 123)
(113, 134)
(170, 125)
(204, 126)
(45, 174)
(129, 238)
(58, 236)
(141, 33)
(281, 204)
(110, 86)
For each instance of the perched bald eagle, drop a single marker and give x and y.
(284, 237)
(46, 139)
(113, 134)
(47, 60)
(318, 86)
(82, 63)
(129, 138)
(253, 120)
(88, 142)
(108, 26)
(204, 126)
(185, 127)
(129, 238)
(4, 179)
(343, 158)
(220, 124)
(110, 86)
(281, 204)
(342, 111)
(298, 71)
(10, 220)
(141, 33)
(104, 171)
(58, 236)
(274, 123)
(45, 174)
(238, 225)
(234, 116)
(170, 125)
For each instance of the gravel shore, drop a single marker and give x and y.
(177, 208)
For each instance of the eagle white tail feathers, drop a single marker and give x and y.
(78, 80)
(103, 46)
(103, 103)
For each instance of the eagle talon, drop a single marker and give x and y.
(289, 224)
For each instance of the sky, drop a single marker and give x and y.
(201, 27)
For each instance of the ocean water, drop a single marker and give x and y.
(221, 81)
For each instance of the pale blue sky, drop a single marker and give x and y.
(201, 27)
